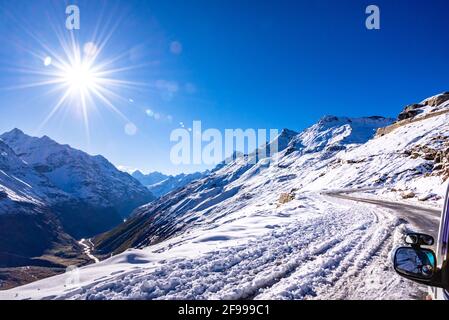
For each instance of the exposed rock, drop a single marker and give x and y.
(407, 153)
(437, 155)
(286, 197)
(430, 155)
(408, 194)
(410, 111)
(437, 100)
(426, 197)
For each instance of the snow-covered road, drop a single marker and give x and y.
(87, 245)
(321, 248)
(423, 219)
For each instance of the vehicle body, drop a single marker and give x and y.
(423, 265)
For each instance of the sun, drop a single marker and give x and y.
(80, 78)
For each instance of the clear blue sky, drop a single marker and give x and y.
(243, 64)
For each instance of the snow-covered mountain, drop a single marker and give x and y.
(97, 196)
(29, 228)
(338, 133)
(269, 230)
(160, 184)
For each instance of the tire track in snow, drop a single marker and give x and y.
(358, 283)
(322, 270)
(241, 272)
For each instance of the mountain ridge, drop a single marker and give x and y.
(160, 184)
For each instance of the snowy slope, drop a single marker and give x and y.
(150, 178)
(265, 231)
(335, 133)
(21, 183)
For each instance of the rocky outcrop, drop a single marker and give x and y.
(418, 112)
(410, 111)
(437, 153)
(287, 197)
(437, 100)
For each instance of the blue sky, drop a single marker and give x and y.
(231, 64)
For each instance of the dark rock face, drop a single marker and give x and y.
(437, 100)
(410, 111)
(82, 220)
(27, 232)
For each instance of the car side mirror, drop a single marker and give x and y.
(420, 264)
(415, 263)
(419, 239)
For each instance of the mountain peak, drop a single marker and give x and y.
(328, 118)
(288, 133)
(137, 173)
(82, 176)
(338, 131)
(15, 132)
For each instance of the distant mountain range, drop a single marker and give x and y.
(160, 184)
(52, 194)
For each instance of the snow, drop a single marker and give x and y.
(16, 182)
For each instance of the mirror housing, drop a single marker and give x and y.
(419, 239)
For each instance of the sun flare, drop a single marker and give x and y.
(80, 78)
(84, 81)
